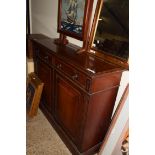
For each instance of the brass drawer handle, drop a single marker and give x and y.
(46, 57)
(59, 66)
(75, 77)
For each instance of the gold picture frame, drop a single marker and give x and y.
(33, 94)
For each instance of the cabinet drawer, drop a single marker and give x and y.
(73, 74)
(44, 55)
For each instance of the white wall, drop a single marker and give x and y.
(44, 17)
(123, 84)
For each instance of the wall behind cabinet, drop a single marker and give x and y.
(44, 17)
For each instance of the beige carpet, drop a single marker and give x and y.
(42, 139)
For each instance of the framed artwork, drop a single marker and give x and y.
(33, 94)
(74, 17)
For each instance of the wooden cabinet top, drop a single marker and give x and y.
(86, 62)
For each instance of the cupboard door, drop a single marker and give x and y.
(70, 107)
(45, 74)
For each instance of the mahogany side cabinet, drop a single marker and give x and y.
(79, 92)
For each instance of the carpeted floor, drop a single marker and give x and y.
(42, 139)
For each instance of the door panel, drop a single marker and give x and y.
(69, 107)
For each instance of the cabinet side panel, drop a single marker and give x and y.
(106, 81)
(98, 117)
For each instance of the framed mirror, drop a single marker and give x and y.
(109, 36)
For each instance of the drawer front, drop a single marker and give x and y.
(44, 55)
(75, 75)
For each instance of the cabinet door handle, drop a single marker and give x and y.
(75, 77)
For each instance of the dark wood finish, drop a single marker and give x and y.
(29, 49)
(44, 72)
(44, 55)
(93, 51)
(27, 17)
(29, 45)
(61, 40)
(69, 107)
(87, 29)
(80, 92)
(98, 117)
(72, 73)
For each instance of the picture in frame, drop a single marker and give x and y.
(74, 17)
(33, 94)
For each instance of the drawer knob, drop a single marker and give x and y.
(75, 77)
